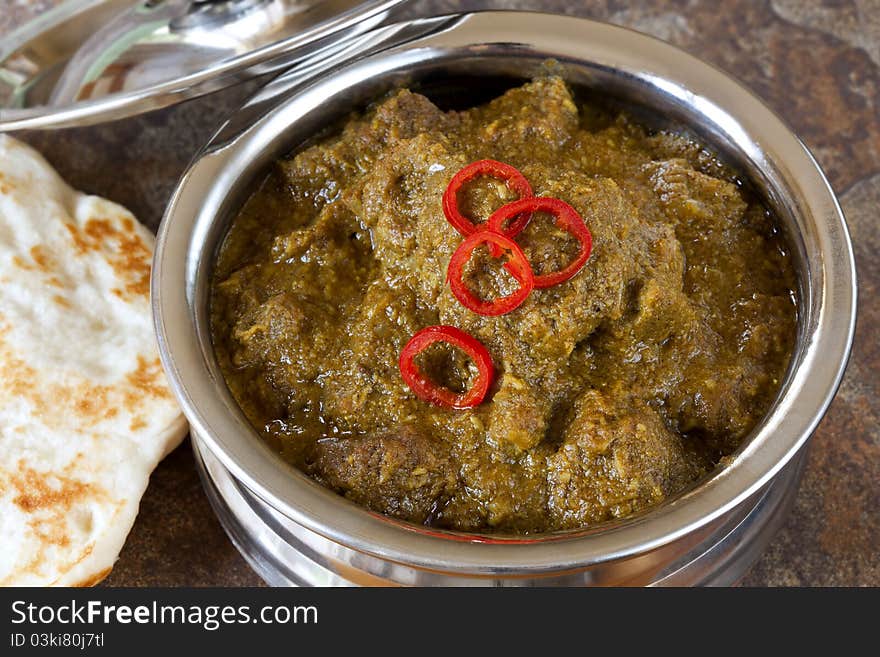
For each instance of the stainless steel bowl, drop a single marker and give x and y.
(295, 531)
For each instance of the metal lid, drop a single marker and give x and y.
(91, 61)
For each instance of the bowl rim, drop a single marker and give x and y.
(827, 321)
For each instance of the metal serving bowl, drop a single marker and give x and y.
(293, 530)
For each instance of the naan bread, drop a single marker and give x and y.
(85, 410)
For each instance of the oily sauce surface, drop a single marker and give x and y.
(614, 390)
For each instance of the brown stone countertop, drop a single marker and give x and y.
(817, 63)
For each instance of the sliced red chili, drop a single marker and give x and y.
(516, 264)
(440, 395)
(566, 218)
(515, 181)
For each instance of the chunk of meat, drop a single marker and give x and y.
(695, 201)
(370, 385)
(656, 307)
(406, 115)
(288, 330)
(518, 413)
(501, 487)
(614, 460)
(399, 201)
(541, 113)
(318, 174)
(404, 474)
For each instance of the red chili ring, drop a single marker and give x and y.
(517, 265)
(438, 395)
(510, 175)
(567, 219)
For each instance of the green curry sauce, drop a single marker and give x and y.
(614, 390)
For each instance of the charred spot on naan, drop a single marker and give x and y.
(89, 403)
(21, 264)
(131, 259)
(52, 501)
(42, 261)
(37, 490)
(16, 376)
(148, 379)
(6, 185)
(35, 493)
(55, 503)
(43, 258)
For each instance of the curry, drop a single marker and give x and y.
(605, 391)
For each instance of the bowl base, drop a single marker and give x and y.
(283, 554)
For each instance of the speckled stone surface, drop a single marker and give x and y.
(816, 63)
